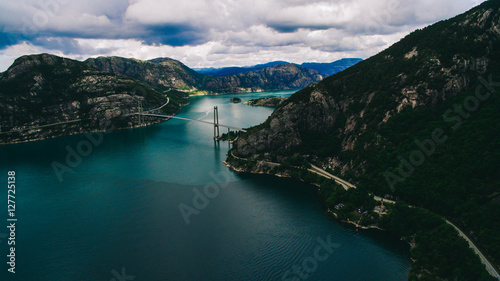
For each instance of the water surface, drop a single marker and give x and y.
(118, 211)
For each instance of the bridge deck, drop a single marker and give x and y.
(189, 119)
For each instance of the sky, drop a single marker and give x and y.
(217, 33)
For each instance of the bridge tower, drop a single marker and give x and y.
(216, 123)
(139, 109)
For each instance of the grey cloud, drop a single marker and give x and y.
(238, 27)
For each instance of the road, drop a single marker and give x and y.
(491, 270)
(317, 170)
(346, 185)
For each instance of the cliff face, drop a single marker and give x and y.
(38, 92)
(166, 74)
(162, 73)
(417, 122)
(277, 77)
(424, 70)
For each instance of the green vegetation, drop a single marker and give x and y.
(270, 101)
(392, 104)
(437, 250)
(39, 90)
(460, 179)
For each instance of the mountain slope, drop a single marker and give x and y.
(39, 91)
(418, 122)
(225, 71)
(277, 77)
(327, 69)
(161, 73)
(166, 74)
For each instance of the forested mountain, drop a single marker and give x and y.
(225, 71)
(325, 69)
(166, 74)
(39, 91)
(278, 77)
(162, 73)
(417, 122)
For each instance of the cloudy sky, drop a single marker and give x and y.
(203, 33)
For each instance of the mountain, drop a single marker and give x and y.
(278, 77)
(40, 91)
(161, 73)
(225, 71)
(327, 69)
(417, 122)
(165, 74)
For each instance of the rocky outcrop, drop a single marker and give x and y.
(43, 96)
(162, 73)
(345, 112)
(166, 73)
(271, 101)
(278, 77)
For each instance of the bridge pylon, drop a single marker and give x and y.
(216, 123)
(139, 111)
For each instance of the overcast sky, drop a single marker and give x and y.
(203, 33)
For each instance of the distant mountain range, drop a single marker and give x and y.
(166, 73)
(325, 69)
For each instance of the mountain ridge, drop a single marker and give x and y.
(325, 69)
(369, 123)
(44, 96)
(167, 73)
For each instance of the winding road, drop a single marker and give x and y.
(489, 267)
(346, 185)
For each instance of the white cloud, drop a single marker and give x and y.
(217, 32)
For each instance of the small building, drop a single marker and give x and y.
(339, 206)
(380, 209)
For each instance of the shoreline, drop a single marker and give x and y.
(410, 240)
(327, 211)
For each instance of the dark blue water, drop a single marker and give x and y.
(117, 213)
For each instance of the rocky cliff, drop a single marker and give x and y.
(166, 74)
(417, 122)
(278, 77)
(161, 73)
(422, 71)
(44, 96)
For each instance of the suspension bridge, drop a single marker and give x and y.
(155, 113)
